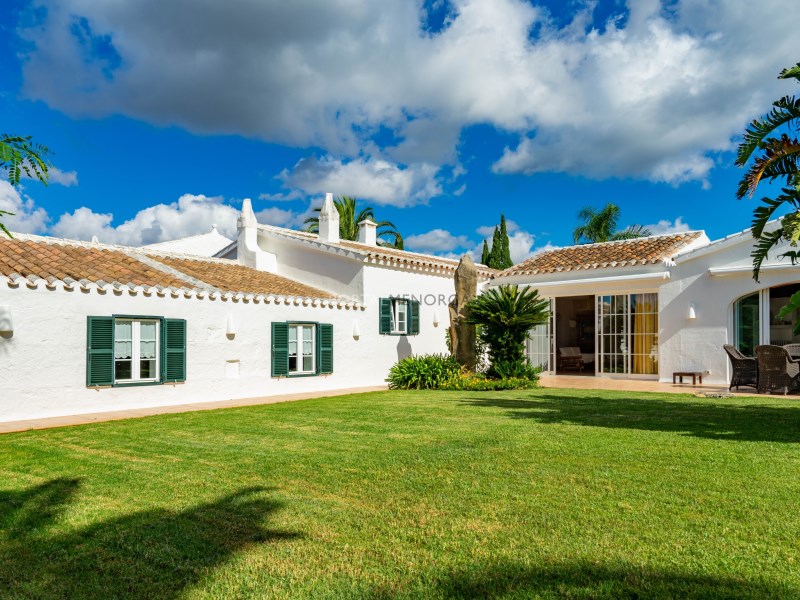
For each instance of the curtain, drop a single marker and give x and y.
(645, 334)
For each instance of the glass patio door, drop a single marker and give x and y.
(627, 339)
(540, 345)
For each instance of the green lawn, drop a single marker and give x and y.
(544, 493)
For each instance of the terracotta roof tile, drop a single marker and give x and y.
(42, 259)
(639, 251)
(229, 276)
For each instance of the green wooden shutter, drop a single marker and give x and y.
(174, 350)
(325, 348)
(385, 316)
(99, 351)
(413, 317)
(280, 349)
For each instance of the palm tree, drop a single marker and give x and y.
(19, 155)
(506, 314)
(350, 217)
(778, 160)
(601, 226)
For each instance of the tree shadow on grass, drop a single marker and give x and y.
(711, 420)
(585, 580)
(149, 554)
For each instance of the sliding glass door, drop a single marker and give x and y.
(627, 336)
(539, 348)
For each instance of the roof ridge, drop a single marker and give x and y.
(188, 237)
(367, 249)
(129, 250)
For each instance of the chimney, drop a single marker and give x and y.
(248, 252)
(367, 232)
(329, 221)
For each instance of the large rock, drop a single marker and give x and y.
(462, 334)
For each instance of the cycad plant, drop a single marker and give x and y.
(349, 218)
(506, 314)
(773, 139)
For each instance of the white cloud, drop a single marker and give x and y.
(65, 178)
(665, 226)
(190, 215)
(279, 216)
(653, 96)
(27, 217)
(436, 240)
(57, 176)
(281, 196)
(373, 179)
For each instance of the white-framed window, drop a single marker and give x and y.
(399, 315)
(136, 350)
(302, 348)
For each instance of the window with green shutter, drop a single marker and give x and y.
(100, 351)
(398, 316)
(325, 339)
(413, 317)
(385, 316)
(302, 349)
(174, 350)
(280, 349)
(131, 350)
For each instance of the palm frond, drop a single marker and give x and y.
(791, 73)
(779, 159)
(631, 232)
(761, 250)
(784, 111)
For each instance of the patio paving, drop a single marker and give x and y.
(588, 382)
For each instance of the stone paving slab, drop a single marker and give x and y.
(133, 413)
(588, 382)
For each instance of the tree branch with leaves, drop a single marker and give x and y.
(20, 156)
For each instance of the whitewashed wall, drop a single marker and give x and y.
(433, 291)
(696, 344)
(316, 267)
(44, 363)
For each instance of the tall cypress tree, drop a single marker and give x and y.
(494, 253)
(485, 254)
(504, 254)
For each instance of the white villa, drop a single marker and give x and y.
(649, 307)
(90, 327)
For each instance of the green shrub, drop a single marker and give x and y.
(476, 382)
(425, 372)
(515, 370)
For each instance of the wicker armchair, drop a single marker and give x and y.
(794, 350)
(777, 370)
(745, 371)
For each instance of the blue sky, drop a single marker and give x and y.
(163, 115)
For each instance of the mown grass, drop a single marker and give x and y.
(542, 493)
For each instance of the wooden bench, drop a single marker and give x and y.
(695, 375)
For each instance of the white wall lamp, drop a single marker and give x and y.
(356, 330)
(691, 314)
(6, 324)
(435, 318)
(230, 328)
